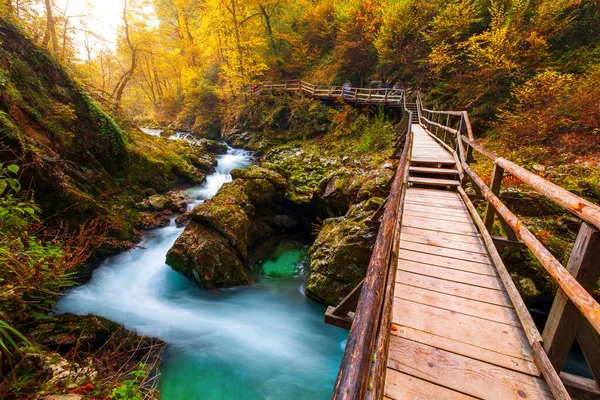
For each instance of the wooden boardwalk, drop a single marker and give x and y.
(437, 315)
(455, 332)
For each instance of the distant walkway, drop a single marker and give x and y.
(389, 97)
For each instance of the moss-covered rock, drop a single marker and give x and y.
(65, 331)
(205, 256)
(340, 255)
(159, 202)
(212, 249)
(213, 146)
(167, 133)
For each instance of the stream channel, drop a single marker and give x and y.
(262, 341)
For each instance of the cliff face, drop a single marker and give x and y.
(74, 157)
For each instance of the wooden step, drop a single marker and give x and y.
(433, 181)
(432, 161)
(435, 171)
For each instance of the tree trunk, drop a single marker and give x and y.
(50, 34)
(272, 44)
(237, 39)
(124, 80)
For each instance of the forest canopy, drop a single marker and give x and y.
(173, 58)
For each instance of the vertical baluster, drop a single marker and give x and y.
(490, 212)
(565, 321)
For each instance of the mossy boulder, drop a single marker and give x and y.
(212, 146)
(205, 257)
(212, 249)
(167, 133)
(340, 255)
(89, 332)
(159, 203)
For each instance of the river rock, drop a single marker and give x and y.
(340, 255)
(212, 146)
(212, 249)
(204, 162)
(206, 257)
(159, 202)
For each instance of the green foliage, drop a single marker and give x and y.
(377, 133)
(557, 110)
(130, 388)
(33, 272)
(6, 337)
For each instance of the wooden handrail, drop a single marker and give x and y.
(586, 210)
(584, 301)
(580, 207)
(353, 376)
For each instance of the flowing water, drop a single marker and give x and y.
(263, 341)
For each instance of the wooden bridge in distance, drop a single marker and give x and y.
(438, 315)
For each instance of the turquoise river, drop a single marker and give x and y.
(263, 341)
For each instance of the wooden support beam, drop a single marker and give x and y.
(504, 242)
(565, 320)
(350, 301)
(475, 196)
(335, 320)
(579, 387)
(589, 341)
(490, 211)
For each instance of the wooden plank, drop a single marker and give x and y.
(436, 203)
(443, 252)
(415, 206)
(468, 350)
(399, 386)
(434, 198)
(461, 265)
(448, 236)
(449, 217)
(439, 241)
(440, 193)
(444, 226)
(463, 374)
(491, 335)
(448, 302)
(422, 193)
(427, 157)
(454, 288)
(469, 278)
(433, 181)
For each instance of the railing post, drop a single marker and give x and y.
(565, 321)
(490, 212)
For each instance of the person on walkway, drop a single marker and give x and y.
(347, 89)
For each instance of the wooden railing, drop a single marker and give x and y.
(369, 333)
(575, 313)
(390, 97)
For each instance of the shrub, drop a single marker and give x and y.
(558, 110)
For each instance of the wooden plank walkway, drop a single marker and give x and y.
(455, 332)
